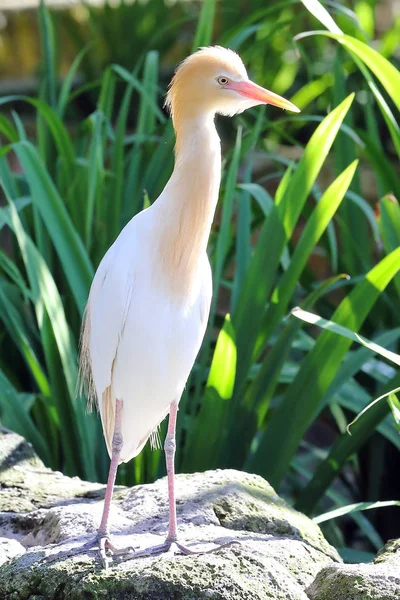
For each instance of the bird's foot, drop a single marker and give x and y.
(100, 544)
(171, 547)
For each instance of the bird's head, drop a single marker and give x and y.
(214, 80)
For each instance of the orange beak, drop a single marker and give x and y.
(251, 90)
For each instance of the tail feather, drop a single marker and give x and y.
(85, 384)
(107, 414)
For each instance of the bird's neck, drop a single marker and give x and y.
(187, 204)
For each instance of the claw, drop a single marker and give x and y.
(188, 551)
(166, 547)
(101, 544)
(103, 548)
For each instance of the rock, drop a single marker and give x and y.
(9, 548)
(280, 552)
(389, 554)
(26, 484)
(379, 580)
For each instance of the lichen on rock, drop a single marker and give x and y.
(356, 582)
(279, 555)
(389, 554)
(379, 580)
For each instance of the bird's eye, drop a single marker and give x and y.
(222, 80)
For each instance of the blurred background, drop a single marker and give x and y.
(86, 144)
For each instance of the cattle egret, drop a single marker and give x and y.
(150, 298)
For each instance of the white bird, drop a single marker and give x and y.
(149, 302)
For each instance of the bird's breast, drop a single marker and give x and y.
(161, 338)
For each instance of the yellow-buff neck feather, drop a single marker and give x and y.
(187, 204)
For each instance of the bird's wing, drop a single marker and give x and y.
(109, 299)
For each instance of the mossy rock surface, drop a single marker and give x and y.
(280, 550)
(379, 580)
(389, 554)
(26, 484)
(356, 582)
(279, 555)
(237, 573)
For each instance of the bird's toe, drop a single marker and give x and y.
(100, 544)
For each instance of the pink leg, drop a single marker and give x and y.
(102, 540)
(172, 537)
(169, 448)
(116, 448)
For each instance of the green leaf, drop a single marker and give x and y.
(10, 268)
(343, 448)
(389, 226)
(146, 120)
(95, 176)
(203, 35)
(274, 234)
(381, 165)
(320, 13)
(389, 394)
(69, 247)
(249, 416)
(8, 129)
(260, 194)
(345, 332)
(350, 508)
(15, 416)
(312, 90)
(144, 92)
(58, 131)
(223, 366)
(44, 290)
(315, 227)
(20, 334)
(143, 174)
(353, 231)
(243, 237)
(227, 211)
(69, 80)
(395, 407)
(303, 397)
(206, 435)
(383, 70)
(261, 390)
(48, 53)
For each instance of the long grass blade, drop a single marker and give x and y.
(14, 414)
(345, 332)
(273, 237)
(344, 447)
(205, 25)
(69, 247)
(44, 289)
(206, 436)
(303, 396)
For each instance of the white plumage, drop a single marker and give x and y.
(143, 340)
(150, 298)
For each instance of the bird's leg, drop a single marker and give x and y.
(169, 449)
(172, 537)
(102, 540)
(116, 447)
(103, 533)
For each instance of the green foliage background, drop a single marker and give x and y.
(295, 225)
